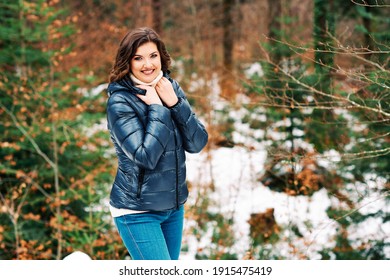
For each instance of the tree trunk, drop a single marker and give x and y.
(272, 77)
(228, 35)
(227, 78)
(157, 21)
(274, 26)
(324, 29)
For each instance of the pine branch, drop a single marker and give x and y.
(28, 136)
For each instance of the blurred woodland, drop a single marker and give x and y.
(320, 96)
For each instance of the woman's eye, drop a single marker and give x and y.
(138, 58)
(154, 55)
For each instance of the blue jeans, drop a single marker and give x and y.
(152, 235)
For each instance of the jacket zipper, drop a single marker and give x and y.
(177, 170)
(140, 182)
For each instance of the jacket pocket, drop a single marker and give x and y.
(140, 182)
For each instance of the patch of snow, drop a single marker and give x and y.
(234, 173)
(239, 194)
(254, 69)
(77, 256)
(94, 91)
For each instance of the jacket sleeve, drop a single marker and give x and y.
(144, 144)
(194, 133)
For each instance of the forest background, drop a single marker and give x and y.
(298, 88)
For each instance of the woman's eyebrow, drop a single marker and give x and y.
(155, 52)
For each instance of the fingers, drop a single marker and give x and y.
(163, 81)
(163, 92)
(142, 97)
(151, 96)
(166, 92)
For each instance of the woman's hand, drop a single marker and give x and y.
(166, 93)
(151, 96)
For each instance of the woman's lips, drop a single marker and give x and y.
(148, 72)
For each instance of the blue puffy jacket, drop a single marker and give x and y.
(150, 143)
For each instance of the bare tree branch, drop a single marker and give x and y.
(365, 4)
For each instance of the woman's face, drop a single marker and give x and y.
(146, 63)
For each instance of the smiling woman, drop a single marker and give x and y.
(146, 64)
(130, 47)
(151, 125)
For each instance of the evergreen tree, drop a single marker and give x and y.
(53, 167)
(365, 164)
(312, 114)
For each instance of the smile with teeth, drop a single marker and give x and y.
(148, 72)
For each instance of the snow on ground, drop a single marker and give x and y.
(77, 256)
(235, 171)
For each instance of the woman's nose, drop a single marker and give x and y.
(147, 63)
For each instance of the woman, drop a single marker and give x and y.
(151, 125)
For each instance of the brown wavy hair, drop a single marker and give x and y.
(128, 47)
